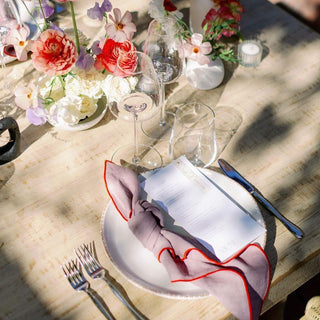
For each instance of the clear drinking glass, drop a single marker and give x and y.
(164, 46)
(9, 19)
(193, 134)
(135, 98)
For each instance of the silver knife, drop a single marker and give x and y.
(235, 175)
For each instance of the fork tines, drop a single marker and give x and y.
(73, 273)
(85, 257)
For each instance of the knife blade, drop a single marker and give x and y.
(235, 175)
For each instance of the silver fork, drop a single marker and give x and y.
(95, 271)
(79, 283)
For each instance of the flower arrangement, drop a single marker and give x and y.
(74, 75)
(220, 22)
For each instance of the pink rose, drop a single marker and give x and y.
(110, 54)
(53, 53)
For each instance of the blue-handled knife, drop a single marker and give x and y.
(235, 175)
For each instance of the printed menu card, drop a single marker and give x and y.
(202, 208)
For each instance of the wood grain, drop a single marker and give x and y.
(53, 195)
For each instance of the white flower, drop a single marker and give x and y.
(50, 86)
(26, 97)
(88, 106)
(85, 83)
(117, 87)
(66, 111)
(71, 109)
(198, 50)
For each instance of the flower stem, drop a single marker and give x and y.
(62, 83)
(75, 26)
(32, 17)
(46, 24)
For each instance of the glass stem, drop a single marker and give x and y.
(135, 158)
(7, 84)
(162, 121)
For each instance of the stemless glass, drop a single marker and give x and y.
(164, 46)
(193, 134)
(134, 96)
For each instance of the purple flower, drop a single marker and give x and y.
(97, 12)
(36, 116)
(85, 60)
(47, 9)
(95, 48)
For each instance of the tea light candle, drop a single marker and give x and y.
(249, 53)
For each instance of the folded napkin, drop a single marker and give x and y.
(241, 283)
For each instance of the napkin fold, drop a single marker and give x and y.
(241, 283)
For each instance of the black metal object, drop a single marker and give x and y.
(11, 150)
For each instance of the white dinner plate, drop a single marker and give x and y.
(139, 265)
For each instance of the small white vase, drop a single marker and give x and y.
(206, 76)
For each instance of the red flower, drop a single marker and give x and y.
(236, 9)
(112, 51)
(233, 6)
(53, 53)
(169, 6)
(228, 10)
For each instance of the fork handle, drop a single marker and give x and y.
(124, 300)
(103, 310)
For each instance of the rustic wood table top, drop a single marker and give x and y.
(53, 195)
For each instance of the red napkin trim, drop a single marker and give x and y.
(186, 253)
(185, 256)
(113, 201)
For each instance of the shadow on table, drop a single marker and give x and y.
(7, 171)
(117, 286)
(270, 249)
(12, 298)
(31, 134)
(267, 128)
(266, 131)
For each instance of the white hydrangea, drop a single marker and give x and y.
(71, 109)
(84, 83)
(50, 86)
(88, 106)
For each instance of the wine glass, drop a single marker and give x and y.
(134, 96)
(9, 19)
(193, 134)
(164, 46)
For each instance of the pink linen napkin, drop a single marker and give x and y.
(241, 283)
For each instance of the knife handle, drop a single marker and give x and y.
(287, 223)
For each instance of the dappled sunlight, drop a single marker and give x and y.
(278, 142)
(54, 193)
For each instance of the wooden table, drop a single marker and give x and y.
(53, 195)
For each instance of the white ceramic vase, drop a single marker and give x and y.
(205, 77)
